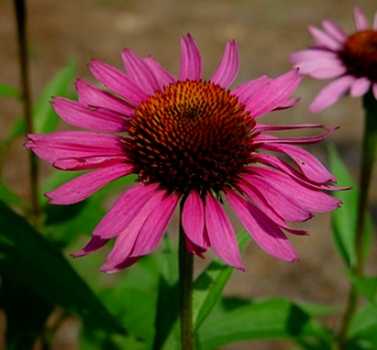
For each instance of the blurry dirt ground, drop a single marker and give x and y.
(267, 31)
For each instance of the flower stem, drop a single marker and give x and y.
(21, 21)
(186, 270)
(369, 152)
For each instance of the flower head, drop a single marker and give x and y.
(351, 59)
(190, 141)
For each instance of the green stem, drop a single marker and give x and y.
(21, 21)
(369, 152)
(186, 270)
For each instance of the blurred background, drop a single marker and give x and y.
(266, 31)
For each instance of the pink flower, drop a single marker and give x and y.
(192, 142)
(351, 59)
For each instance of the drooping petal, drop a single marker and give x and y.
(273, 94)
(94, 244)
(94, 97)
(286, 168)
(123, 265)
(139, 72)
(193, 220)
(313, 200)
(257, 197)
(221, 234)
(285, 205)
(325, 39)
(375, 21)
(155, 226)
(191, 61)
(360, 86)
(194, 249)
(85, 185)
(163, 77)
(331, 93)
(228, 68)
(124, 210)
(307, 163)
(77, 114)
(360, 19)
(117, 82)
(125, 242)
(264, 232)
(334, 30)
(74, 144)
(268, 139)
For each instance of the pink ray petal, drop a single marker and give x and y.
(246, 90)
(123, 265)
(193, 219)
(273, 94)
(375, 21)
(334, 30)
(85, 185)
(79, 115)
(194, 249)
(191, 61)
(268, 139)
(286, 206)
(74, 144)
(264, 128)
(322, 68)
(288, 104)
(94, 244)
(117, 82)
(360, 19)
(331, 93)
(86, 163)
(313, 200)
(360, 87)
(311, 54)
(228, 68)
(163, 77)
(155, 226)
(124, 210)
(308, 164)
(94, 97)
(125, 242)
(257, 197)
(325, 39)
(264, 232)
(221, 234)
(286, 168)
(139, 72)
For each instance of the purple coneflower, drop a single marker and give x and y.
(351, 59)
(192, 142)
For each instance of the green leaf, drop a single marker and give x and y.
(167, 317)
(366, 286)
(44, 118)
(210, 284)
(344, 219)
(26, 313)
(364, 326)
(239, 320)
(10, 91)
(7, 196)
(29, 258)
